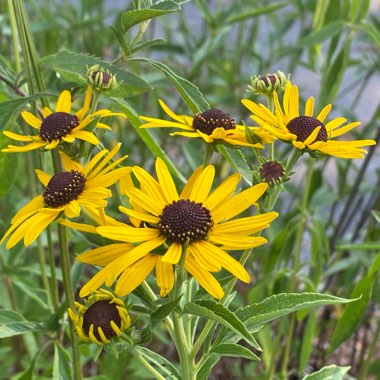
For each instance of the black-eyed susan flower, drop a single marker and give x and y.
(78, 186)
(307, 132)
(59, 125)
(101, 318)
(197, 223)
(212, 126)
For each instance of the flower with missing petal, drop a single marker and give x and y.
(101, 318)
(197, 223)
(307, 132)
(78, 186)
(60, 125)
(212, 126)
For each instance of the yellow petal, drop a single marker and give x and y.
(166, 181)
(309, 107)
(64, 102)
(206, 261)
(86, 105)
(173, 254)
(77, 226)
(135, 275)
(32, 207)
(139, 215)
(33, 121)
(236, 241)
(227, 261)
(103, 256)
(43, 177)
(25, 148)
(313, 135)
(323, 114)
(86, 136)
(202, 185)
(190, 183)
(204, 278)
(145, 201)
(238, 203)
(72, 209)
(170, 113)
(17, 137)
(129, 234)
(222, 192)
(164, 276)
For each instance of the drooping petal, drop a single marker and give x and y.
(173, 254)
(165, 277)
(201, 256)
(17, 137)
(129, 234)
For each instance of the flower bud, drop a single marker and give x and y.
(100, 79)
(269, 83)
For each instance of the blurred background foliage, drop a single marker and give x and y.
(331, 49)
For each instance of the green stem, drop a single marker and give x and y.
(14, 35)
(53, 273)
(180, 339)
(208, 154)
(297, 260)
(146, 364)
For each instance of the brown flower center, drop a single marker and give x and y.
(63, 188)
(303, 126)
(100, 314)
(271, 171)
(57, 125)
(185, 220)
(106, 77)
(269, 79)
(209, 120)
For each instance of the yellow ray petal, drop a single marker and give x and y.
(77, 226)
(108, 179)
(43, 177)
(166, 181)
(105, 160)
(135, 275)
(246, 225)
(227, 261)
(323, 114)
(313, 135)
(335, 123)
(222, 192)
(17, 137)
(345, 129)
(165, 277)
(69, 164)
(206, 261)
(190, 183)
(202, 185)
(94, 160)
(64, 102)
(25, 148)
(38, 222)
(72, 209)
(52, 145)
(129, 234)
(46, 111)
(238, 203)
(236, 241)
(293, 105)
(103, 256)
(173, 254)
(145, 201)
(86, 136)
(30, 208)
(169, 112)
(150, 186)
(204, 278)
(33, 121)
(139, 215)
(309, 107)
(86, 105)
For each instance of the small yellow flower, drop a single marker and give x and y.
(59, 125)
(306, 132)
(78, 186)
(195, 219)
(212, 126)
(102, 318)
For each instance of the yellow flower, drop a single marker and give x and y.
(102, 318)
(78, 186)
(60, 125)
(197, 222)
(212, 126)
(306, 131)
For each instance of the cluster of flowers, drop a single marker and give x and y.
(194, 227)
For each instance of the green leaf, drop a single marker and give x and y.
(12, 323)
(254, 13)
(10, 107)
(8, 166)
(234, 350)
(372, 32)
(218, 313)
(136, 16)
(75, 65)
(331, 372)
(164, 310)
(354, 313)
(189, 92)
(62, 366)
(162, 363)
(147, 44)
(326, 32)
(376, 215)
(149, 141)
(368, 246)
(237, 160)
(278, 305)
